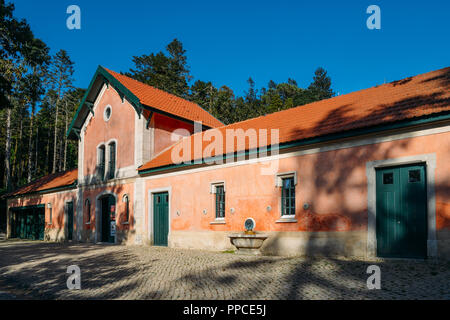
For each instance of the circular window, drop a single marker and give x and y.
(107, 113)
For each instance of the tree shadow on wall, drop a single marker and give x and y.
(329, 173)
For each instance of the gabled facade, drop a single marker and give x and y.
(362, 174)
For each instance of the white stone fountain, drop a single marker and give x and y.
(248, 242)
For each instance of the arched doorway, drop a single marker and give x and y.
(107, 219)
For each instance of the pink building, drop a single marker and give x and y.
(363, 174)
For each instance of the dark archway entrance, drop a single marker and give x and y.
(107, 219)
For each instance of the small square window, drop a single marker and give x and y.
(414, 175)
(388, 178)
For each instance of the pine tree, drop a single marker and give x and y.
(321, 85)
(60, 81)
(166, 72)
(16, 55)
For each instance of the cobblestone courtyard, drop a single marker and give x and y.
(37, 270)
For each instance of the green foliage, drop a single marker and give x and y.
(166, 72)
(170, 73)
(321, 86)
(32, 85)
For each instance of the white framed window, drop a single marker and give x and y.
(50, 213)
(287, 182)
(107, 113)
(112, 160)
(126, 200)
(101, 159)
(218, 189)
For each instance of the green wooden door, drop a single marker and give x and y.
(160, 218)
(69, 220)
(401, 205)
(41, 224)
(108, 219)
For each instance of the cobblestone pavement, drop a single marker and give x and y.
(37, 270)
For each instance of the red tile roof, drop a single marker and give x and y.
(51, 181)
(167, 102)
(409, 98)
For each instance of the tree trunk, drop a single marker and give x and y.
(55, 149)
(65, 140)
(35, 173)
(47, 152)
(18, 164)
(30, 145)
(8, 150)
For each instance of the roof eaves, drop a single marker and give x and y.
(442, 116)
(43, 191)
(109, 79)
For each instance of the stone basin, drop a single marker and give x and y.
(248, 243)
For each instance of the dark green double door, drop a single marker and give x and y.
(160, 218)
(28, 223)
(401, 217)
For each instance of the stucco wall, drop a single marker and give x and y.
(163, 129)
(54, 229)
(333, 183)
(124, 229)
(121, 127)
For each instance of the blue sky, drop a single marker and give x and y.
(228, 41)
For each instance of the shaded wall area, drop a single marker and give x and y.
(55, 216)
(333, 183)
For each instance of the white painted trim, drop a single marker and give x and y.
(108, 106)
(282, 175)
(357, 142)
(98, 204)
(150, 211)
(138, 209)
(138, 139)
(430, 162)
(215, 184)
(125, 173)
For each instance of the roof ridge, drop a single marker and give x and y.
(163, 91)
(388, 94)
(334, 98)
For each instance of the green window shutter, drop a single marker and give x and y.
(288, 197)
(112, 160)
(220, 202)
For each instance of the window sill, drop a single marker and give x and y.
(286, 220)
(218, 221)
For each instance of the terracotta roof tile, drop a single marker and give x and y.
(167, 102)
(409, 98)
(51, 181)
